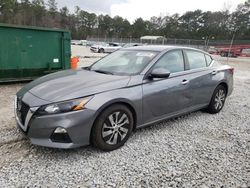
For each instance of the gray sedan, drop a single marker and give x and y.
(128, 89)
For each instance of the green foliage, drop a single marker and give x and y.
(192, 24)
(52, 5)
(7, 9)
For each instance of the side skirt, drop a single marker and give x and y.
(173, 115)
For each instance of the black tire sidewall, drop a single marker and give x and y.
(96, 134)
(101, 50)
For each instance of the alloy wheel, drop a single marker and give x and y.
(115, 128)
(219, 99)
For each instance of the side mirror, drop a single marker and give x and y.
(160, 73)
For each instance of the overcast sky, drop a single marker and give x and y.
(132, 9)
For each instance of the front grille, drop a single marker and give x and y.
(23, 109)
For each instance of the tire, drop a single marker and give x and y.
(101, 50)
(107, 134)
(218, 100)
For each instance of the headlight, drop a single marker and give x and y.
(66, 106)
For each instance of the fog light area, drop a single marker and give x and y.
(60, 130)
(60, 135)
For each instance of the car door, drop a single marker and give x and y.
(166, 97)
(200, 77)
(111, 48)
(107, 49)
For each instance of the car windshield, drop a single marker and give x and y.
(124, 62)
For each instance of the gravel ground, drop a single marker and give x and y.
(195, 150)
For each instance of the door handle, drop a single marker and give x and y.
(214, 72)
(185, 82)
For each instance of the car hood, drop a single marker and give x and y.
(70, 84)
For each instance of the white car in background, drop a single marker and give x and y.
(83, 42)
(127, 45)
(79, 42)
(75, 42)
(105, 48)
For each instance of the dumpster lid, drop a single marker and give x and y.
(32, 27)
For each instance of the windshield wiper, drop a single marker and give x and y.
(103, 72)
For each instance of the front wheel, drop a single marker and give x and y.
(218, 99)
(112, 128)
(101, 50)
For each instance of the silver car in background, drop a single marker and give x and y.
(105, 48)
(128, 89)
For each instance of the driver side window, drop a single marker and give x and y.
(173, 61)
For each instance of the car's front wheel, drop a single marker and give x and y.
(218, 99)
(112, 128)
(101, 50)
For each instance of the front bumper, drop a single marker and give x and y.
(39, 129)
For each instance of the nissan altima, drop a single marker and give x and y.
(131, 88)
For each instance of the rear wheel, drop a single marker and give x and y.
(112, 128)
(218, 99)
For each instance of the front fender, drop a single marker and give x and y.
(131, 96)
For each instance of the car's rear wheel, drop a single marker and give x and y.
(112, 128)
(218, 99)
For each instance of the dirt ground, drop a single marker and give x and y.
(25, 165)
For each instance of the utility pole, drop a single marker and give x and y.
(231, 44)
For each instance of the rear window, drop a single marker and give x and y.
(196, 59)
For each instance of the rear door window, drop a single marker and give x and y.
(196, 59)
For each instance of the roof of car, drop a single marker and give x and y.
(158, 48)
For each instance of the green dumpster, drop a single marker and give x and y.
(30, 52)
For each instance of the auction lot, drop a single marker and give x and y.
(195, 150)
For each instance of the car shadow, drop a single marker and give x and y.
(87, 151)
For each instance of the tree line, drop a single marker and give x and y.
(82, 24)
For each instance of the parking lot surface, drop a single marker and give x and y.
(195, 150)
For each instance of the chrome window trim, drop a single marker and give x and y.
(211, 64)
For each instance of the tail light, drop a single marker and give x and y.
(231, 70)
